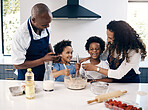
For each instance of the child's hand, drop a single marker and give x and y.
(66, 72)
(77, 66)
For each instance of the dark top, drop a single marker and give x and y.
(130, 77)
(37, 49)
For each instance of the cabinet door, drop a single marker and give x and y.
(144, 75)
(8, 72)
(1, 69)
(1, 72)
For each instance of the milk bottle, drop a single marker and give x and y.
(48, 82)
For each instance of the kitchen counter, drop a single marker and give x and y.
(65, 99)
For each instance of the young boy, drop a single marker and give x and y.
(64, 49)
(95, 46)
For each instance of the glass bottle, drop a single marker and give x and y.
(48, 82)
(30, 87)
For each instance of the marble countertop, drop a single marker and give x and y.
(65, 99)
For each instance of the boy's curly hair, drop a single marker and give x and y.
(97, 40)
(59, 47)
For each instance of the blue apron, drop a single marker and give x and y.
(37, 49)
(130, 77)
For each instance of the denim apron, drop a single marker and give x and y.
(130, 77)
(37, 49)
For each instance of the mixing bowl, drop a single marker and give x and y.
(99, 87)
(75, 83)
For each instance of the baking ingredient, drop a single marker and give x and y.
(75, 83)
(48, 82)
(103, 97)
(48, 85)
(30, 88)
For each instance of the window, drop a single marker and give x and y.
(138, 18)
(10, 22)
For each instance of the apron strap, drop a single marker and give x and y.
(29, 28)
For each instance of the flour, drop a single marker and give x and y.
(75, 83)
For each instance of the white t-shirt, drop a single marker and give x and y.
(21, 42)
(125, 67)
(94, 74)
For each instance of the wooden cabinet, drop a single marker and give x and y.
(7, 72)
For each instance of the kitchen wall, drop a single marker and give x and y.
(0, 34)
(78, 31)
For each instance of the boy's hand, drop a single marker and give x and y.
(66, 72)
(77, 66)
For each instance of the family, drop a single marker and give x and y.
(116, 61)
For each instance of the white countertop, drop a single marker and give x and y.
(65, 99)
(6, 60)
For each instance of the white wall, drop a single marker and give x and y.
(0, 35)
(78, 31)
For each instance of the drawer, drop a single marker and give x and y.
(8, 69)
(7, 72)
(10, 76)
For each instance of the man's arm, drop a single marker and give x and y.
(34, 63)
(29, 64)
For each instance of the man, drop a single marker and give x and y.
(30, 44)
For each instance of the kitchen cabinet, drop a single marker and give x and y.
(144, 75)
(7, 72)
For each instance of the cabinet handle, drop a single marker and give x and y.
(9, 69)
(10, 78)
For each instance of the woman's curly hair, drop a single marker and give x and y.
(125, 39)
(59, 47)
(97, 40)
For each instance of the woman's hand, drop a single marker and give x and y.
(89, 67)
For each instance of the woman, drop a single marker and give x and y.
(124, 51)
